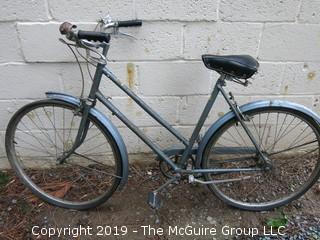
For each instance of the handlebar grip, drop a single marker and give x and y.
(130, 23)
(94, 36)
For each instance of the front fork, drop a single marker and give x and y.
(262, 158)
(84, 108)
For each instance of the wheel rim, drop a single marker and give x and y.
(291, 143)
(41, 133)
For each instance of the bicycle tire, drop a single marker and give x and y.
(16, 164)
(231, 198)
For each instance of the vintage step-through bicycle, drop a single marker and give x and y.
(258, 156)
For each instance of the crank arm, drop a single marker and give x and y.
(153, 197)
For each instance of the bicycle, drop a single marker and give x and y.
(258, 156)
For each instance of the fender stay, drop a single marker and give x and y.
(107, 124)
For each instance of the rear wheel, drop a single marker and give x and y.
(40, 133)
(289, 138)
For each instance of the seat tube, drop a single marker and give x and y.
(201, 121)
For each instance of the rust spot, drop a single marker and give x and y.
(311, 75)
(286, 87)
(220, 114)
(130, 74)
(146, 50)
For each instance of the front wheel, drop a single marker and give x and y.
(289, 138)
(40, 133)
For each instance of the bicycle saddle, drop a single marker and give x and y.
(239, 66)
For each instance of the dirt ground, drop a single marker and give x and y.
(127, 212)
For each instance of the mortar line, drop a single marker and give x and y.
(47, 6)
(20, 42)
(53, 20)
(218, 10)
(171, 60)
(299, 11)
(282, 77)
(260, 39)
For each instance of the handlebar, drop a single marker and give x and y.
(130, 23)
(71, 32)
(94, 36)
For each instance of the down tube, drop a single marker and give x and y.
(135, 129)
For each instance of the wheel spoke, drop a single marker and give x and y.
(288, 139)
(41, 134)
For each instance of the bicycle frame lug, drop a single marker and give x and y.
(90, 102)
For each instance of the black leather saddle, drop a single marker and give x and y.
(238, 66)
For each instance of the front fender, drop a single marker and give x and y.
(106, 123)
(248, 107)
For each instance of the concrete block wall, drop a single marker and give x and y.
(166, 57)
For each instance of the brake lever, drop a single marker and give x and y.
(126, 35)
(116, 33)
(91, 44)
(107, 23)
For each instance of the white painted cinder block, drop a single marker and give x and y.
(84, 10)
(160, 136)
(165, 106)
(163, 65)
(40, 42)
(9, 45)
(301, 78)
(192, 107)
(72, 82)
(34, 10)
(7, 109)
(310, 11)
(221, 38)
(153, 41)
(259, 10)
(28, 81)
(290, 42)
(267, 81)
(174, 78)
(190, 10)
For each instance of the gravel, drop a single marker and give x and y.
(300, 228)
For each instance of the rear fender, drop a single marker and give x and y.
(248, 107)
(106, 123)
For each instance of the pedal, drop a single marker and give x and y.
(154, 200)
(153, 197)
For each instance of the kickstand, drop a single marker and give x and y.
(153, 197)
